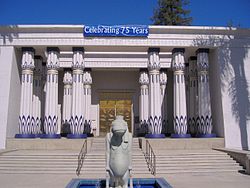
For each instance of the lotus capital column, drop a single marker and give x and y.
(180, 106)
(155, 117)
(204, 120)
(51, 100)
(26, 120)
(77, 116)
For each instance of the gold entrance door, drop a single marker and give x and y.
(111, 108)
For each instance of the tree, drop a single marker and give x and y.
(171, 12)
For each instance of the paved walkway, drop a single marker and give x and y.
(220, 180)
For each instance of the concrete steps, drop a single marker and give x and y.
(38, 162)
(197, 161)
(95, 163)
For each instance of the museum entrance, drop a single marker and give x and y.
(111, 105)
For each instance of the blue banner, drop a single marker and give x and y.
(115, 31)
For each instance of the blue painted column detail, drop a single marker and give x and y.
(204, 119)
(155, 117)
(180, 106)
(26, 119)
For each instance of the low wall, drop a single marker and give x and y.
(47, 144)
(183, 144)
(241, 156)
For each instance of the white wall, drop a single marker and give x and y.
(14, 95)
(8, 108)
(234, 63)
(215, 93)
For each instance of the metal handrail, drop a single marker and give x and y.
(150, 158)
(81, 157)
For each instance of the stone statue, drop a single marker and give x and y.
(119, 155)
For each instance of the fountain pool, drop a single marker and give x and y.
(137, 183)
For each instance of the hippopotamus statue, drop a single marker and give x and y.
(118, 154)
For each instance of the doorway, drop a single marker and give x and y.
(113, 104)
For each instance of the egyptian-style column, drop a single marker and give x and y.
(26, 129)
(180, 106)
(163, 83)
(143, 100)
(67, 97)
(51, 100)
(37, 96)
(155, 118)
(87, 81)
(77, 117)
(193, 95)
(204, 120)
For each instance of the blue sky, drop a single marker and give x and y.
(204, 12)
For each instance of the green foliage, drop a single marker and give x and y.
(171, 12)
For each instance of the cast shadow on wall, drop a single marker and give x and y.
(233, 77)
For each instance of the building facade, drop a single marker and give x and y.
(180, 81)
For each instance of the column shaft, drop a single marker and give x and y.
(180, 107)
(26, 120)
(204, 120)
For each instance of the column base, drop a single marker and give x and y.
(50, 136)
(155, 136)
(76, 136)
(180, 136)
(25, 136)
(212, 135)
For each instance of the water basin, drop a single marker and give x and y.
(137, 183)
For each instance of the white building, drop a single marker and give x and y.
(178, 80)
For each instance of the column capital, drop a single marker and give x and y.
(28, 58)
(163, 78)
(202, 59)
(87, 79)
(154, 59)
(78, 59)
(144, 80)
(178, 60)
(67, 79)
(52, 58)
